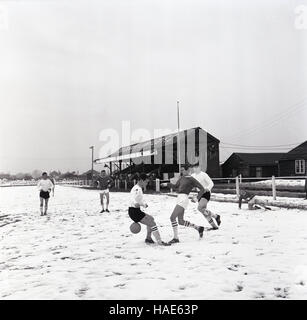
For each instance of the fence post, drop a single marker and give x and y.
(240, 178)
(274, 187)
(134, 182)
(157, 185)
(126, 186)
(237, 187)
(118, 184)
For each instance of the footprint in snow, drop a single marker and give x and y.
(259, 295)
(281, 292)
(81, 292)
(234, 267)
(238, 288)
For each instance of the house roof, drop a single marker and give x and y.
(146, 146)
(299, 152)
(259, 159)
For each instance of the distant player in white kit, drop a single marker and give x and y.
(137, 215)
(45, 186)
(207, 183)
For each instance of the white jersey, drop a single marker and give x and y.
(137, 197)
(204, 180)
(45, 185)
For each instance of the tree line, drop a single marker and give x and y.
(36, 174)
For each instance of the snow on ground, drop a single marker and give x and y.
(282, 202)
(282, 182)
(78, 253)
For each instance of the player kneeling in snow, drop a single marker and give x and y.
(247, 196)
(137, 215)
(251, 201)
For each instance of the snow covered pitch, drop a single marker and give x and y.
(78, 253)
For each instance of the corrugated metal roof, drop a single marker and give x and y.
(147, 145)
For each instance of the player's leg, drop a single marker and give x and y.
(177, 210)
(189, 224)
(107, 194)
(240, 201)
(148, 236)
(46, 205)
(202, 207)
(41, 206)
(101, 202)
(149, 221)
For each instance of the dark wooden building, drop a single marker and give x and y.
(293, 163)
(251, 165)
(160, 154)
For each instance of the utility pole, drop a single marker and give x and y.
(92, 168)
(178, 139)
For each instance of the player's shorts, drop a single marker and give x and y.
(183, 200)
(136, 214)
(104, 191)
(206, 195)
(44, 194)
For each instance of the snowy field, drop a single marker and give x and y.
(78, 253)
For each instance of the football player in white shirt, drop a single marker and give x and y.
(137, 215)
(207, 183)
(45, 186)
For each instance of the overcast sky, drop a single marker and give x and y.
(69, 69)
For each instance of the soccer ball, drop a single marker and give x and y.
(135, 227)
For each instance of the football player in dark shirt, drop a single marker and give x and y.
(184, 185)
(105, 183)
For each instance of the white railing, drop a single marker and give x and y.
(273, 186)
(296, 184)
